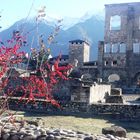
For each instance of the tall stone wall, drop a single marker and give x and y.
(120, 51)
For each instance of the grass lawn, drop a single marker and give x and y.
(86, 123)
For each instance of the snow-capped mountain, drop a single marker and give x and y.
(89, 27)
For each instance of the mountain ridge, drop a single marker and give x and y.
(91, 29)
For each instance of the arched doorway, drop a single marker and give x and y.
(113, 78)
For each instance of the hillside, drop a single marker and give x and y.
(91, 29)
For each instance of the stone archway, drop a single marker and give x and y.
(113, 78)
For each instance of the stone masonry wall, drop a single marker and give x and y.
(79, 50)
(125, 111)
(127, 62)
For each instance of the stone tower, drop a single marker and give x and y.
(79, 52)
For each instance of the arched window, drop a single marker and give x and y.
(136, 47)
(115, 48)
(122, 48)
(115, 22)
(107, 48)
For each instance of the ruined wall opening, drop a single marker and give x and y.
(114, 63)
(107, 48)
(115, 48)
(113, 78)
(136, 47)
(106, 63)
(115, 22)
(122, 48)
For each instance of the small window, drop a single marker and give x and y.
(114, 63)
(115, 22)
(107, 48)
(106, 63)
(122, 48)
(136, 48)
(114, 48)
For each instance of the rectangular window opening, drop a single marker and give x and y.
(136, 47)
(115, 48)
(115, 22)
(106, 63)
(107, 48)
(114, 63)
(122, 48)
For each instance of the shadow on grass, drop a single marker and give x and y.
(114, 119)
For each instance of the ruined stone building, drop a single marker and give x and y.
(79, 54)
(118, 56)
(83, 87)
(119, 53)
(89, 93)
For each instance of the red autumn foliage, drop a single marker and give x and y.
(35, 86)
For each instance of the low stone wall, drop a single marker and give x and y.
(125, 111)
(43, 106)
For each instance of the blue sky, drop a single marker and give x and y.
(14, 10)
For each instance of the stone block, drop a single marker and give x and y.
(115, 131)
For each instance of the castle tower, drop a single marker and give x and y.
(79, 52)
